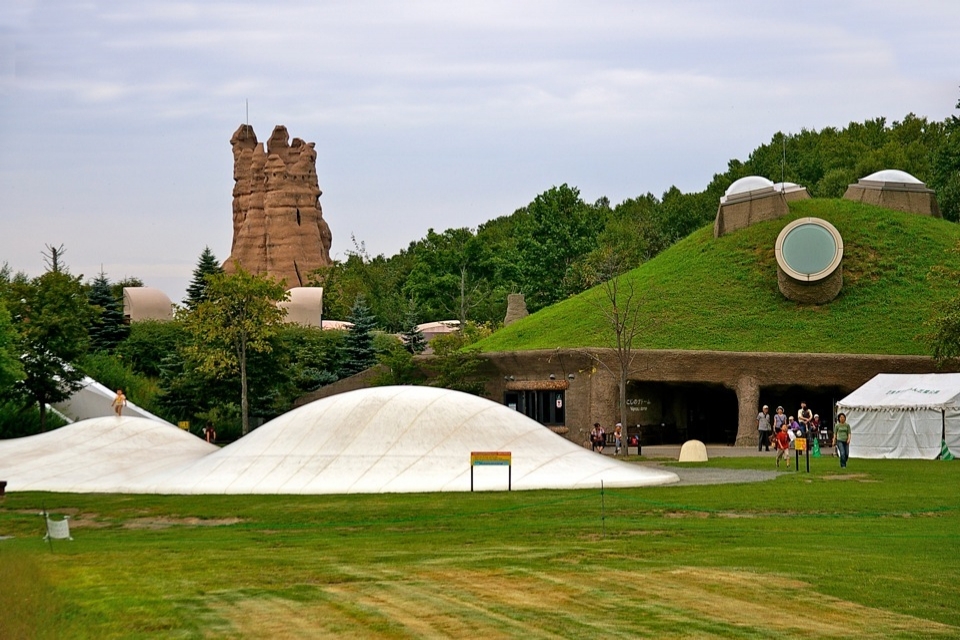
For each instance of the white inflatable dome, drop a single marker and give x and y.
(108, 455)
(400, 439)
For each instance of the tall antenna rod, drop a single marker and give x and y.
(247, 104)
(783, 160)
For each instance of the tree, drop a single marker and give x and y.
(53, 316)
(11, 370)
(238, 316)
(207, 266)
(457, 365)
(107, 329)
(359, 353)
(559, 229)
(620, 306)
(412, 337)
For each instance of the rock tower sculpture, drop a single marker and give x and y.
(278, 225)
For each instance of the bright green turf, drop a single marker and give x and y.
(721, 294)
(873, 553)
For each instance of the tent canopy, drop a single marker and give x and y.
(904, 415)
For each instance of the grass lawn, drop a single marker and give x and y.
(871, 553)
(721, 294)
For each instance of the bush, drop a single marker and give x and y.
(18, 419)
(149, 342)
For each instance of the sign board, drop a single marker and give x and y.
(492, 459)
(184, 424)
(800, 444)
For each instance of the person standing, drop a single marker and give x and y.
(805, 418)
(617, 438)
(601, 438)
(841, 439)
(764, 427)
(595, 436)
(119, 402)
(779, 419)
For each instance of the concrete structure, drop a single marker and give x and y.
(516, 308)
(897, 190)
(304, 306)
(792, 191)
(146, 303)
(748, 201)
(278, 225)
(693, 451)
(677, 395)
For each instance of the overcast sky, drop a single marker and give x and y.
(116, 116)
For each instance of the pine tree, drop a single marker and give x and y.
(412, 336)
(207, 266)
(359, 353)
(108, 329)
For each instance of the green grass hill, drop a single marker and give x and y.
(721, 293)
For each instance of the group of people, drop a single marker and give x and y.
(598, 438)
(779, 430)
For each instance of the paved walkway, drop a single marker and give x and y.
(654, 455)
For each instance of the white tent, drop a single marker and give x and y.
(904, 416)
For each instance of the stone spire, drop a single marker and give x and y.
(278, 225)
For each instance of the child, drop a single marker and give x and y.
(119, 402)
(782, 444)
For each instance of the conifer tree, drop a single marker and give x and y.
(412, 336)
(107, 329)
(207, 266)
(359, 352)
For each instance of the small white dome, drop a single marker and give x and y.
(747, 184)
(892, 175)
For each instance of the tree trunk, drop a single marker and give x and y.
(244, 404)
(623, 410)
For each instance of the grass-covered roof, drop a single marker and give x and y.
(721, 293)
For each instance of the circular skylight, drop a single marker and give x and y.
(747, 184)
(809, 249)
(892, 175)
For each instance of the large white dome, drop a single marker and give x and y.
(400, 439)
(98, 455)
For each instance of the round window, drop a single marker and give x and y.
(809, 249)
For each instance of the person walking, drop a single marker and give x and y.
(782, 445)
(119, 402)
(764, 428)
(841, 439)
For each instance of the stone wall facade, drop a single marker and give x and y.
(278, 225)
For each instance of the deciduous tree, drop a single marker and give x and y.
(238, 316)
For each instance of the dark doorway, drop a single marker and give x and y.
(666, 413)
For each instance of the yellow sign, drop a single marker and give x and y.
(800, 444)
(184, 424)
(490, 458)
